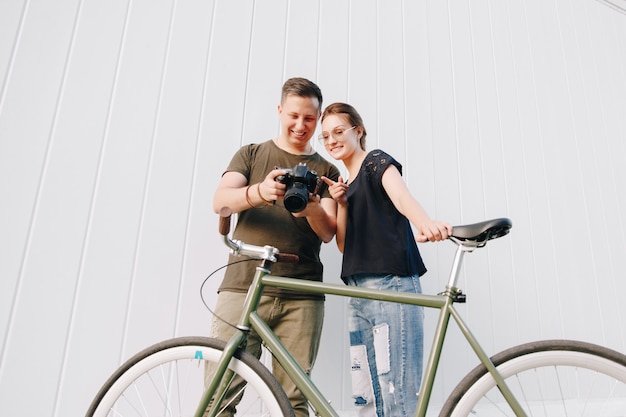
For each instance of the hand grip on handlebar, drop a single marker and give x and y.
(258, 252)
(224, 226)
(288, 258)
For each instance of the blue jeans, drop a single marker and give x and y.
(386, 348)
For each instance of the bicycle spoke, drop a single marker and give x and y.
(563, 378)
(168, 381)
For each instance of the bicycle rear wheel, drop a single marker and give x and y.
(167, 379)
(549, 378)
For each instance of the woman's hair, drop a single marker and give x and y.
(301, 87)
(353, 117)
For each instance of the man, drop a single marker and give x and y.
(249, 187)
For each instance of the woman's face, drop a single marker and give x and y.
(340, 138)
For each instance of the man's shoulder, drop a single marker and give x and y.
(256, 146)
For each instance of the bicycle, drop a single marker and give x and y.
(551, 377)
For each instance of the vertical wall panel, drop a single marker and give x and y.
(118, 118)
(225, 85)
(363, 61)
(390, 82)
(602, 118)
(11, 13)
(606, 99)
(301, 53)
(265, 71)
(165, 206)
(593, 242)
(221, 126)
(531, 213)
(77, 142)
(29, 92)
(489, 61)
(110, 257)
(333, 73)
(47, 245)
(510, 172)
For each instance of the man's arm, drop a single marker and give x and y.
(322, 217)
(230, 193)
(234, 192)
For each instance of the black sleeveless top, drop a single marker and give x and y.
(379, 239)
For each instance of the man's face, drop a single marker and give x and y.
(298, 119)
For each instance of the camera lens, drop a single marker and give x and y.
(296, 198)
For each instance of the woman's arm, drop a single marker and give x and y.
(338, 192)
(398, 192)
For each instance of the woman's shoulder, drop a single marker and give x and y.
(378, 160)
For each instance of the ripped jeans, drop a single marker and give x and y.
(386, 348)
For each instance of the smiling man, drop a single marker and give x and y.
(249, 187)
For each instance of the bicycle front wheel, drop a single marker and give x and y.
(167, 380)
(549, 378)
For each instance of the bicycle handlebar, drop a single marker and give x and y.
(240, 248)
(470, 236)
(224, 225)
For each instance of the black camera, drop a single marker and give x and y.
(300, 182)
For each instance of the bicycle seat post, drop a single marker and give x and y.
(472, 236)
(456, 264)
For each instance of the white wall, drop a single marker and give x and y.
(118, 117)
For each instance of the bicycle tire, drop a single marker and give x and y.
(167, 379)
(549, 378)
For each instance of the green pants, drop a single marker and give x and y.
(297, 323)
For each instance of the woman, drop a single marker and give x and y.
(375, 212)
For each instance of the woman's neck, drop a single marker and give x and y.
(353, 163)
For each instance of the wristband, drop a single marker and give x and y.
(258, 189)
(248, 198)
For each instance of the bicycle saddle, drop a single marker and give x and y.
(480, 233)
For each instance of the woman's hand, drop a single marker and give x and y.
(338, 190)
(433, 231)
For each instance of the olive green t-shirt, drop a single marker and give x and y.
(274, 225)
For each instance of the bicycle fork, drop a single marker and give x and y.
(453, 294)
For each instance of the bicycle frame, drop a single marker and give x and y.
(444, 302)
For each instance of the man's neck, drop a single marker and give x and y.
(288, 146)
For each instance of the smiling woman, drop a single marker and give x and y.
(118, 118)
(374, 217)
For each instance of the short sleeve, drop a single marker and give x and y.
(242, 161)
(377, 162)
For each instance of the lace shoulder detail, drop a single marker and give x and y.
(377, 161)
